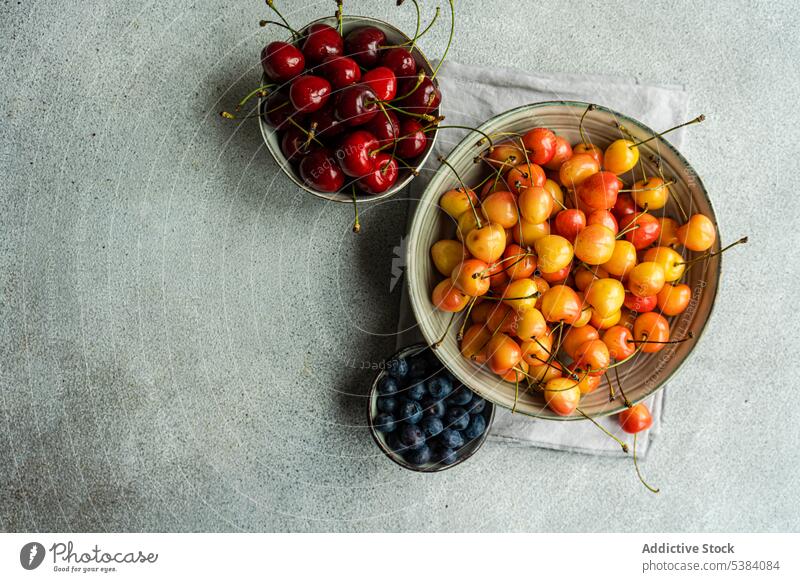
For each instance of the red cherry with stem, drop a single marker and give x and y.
(640, 304)
(605, 218)
(295, 144)
(412, 140)
(356, 104)
(384, 126)
(282, 61)
(425, 98)
(327, 125)
(541, 145)
(384, 176)
(624, 206)
(277, 109)
(635, 419)
(309, 93)
(320, 171)
(599, 191)
(355, 153)
(641, 230)
(563, 153)
(383, 81)
(364, 45)
(322, 41)
(341, 71)
(570, 222)
(401, 62)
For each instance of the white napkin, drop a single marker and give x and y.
(472, 95)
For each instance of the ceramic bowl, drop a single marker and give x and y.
(647, 372)
(272, 140)
(464, 453)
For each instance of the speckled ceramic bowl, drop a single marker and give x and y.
(271, 136)
(464, 453)
(647, 372)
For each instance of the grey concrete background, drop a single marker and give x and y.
(183, 333)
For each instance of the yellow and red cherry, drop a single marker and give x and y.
(521, 295)
(593, 357)
(605, 321)
(503, 352)
(568, 223)
(640, 229)
(541, 286)
(541, 145)
(589, 383)
(599, 191)
(652, 193)
(635, 419)
(622, 260)
(471, 277)
(577, 169)
(561, 304)
(517, 374)
(498, 278)
(474, 342)
(447, 297)
(507, 154)
(621, 156)
(585, 276)
(619, 341)
(674, 299)
(530, 324)
(586, 312)
(591, 149)
(502, 318)
(554, 253)
(501, 208)
(480, 311)
(543, 372)
(606, 297)
(556, 277)
(527, 233)
(646, 279)
(562, 395)
(518, 263)
(562, 154)
(595, 244)
(640, 304)
(457, 202)
(671, 261)
(447, 255)
(487, 242)
(604, 217)
(624, 206)
(556, 193)
(669, 231)
(537, 351)
(652, 329)
(525, 175)
(535, 204)
(698, 234)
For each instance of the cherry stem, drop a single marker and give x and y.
(664, 185)
(689, 336)
(517, 256)
(636, 466)
(621, 391)
(460, 334)
(403, 163)
(516, 392)
(260, 91)
(465, 189)
(339, 14)
(697, 119)
(555, 357)
(271, 4)
(611, 394)
(587, 417)
(446, 331)
(424, 116)
(308, 134)
(312, 131)
(590, 107)
(741, 241)
(356, 222)
(263, 23)
(533, 295)
(480, 142)
(449, 40)
(633, 225)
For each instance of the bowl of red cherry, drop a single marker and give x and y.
(349, 108)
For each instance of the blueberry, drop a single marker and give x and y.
(433, 407)
(412, 436)
(431, 426)
(420, 456)
(418, 368)
(475, 428)
(446, 455)
(461, 396)
(393, 442)
(477, 405)
(415, 391)
(440, 386)
(385, 423)
(456, 418)
(410, 412)
(451, 439)
(397, 368)
(387, 386)
(387, 404)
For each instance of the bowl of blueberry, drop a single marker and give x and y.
(421, 417)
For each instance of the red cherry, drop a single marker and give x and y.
(644, 230)
(624, 206)
(356, 104)
(563, 153)
(412, 141)
(320, 171)
(293, 144)
(309, 93)
(541, 143)
(364, 45)
(599, 191)
(605, 218)
(426, 97)
(341, 71)
(384, 176)
(282, 61)
(640, 304)
(322, 41)
(383, 81)
(385, 127)
(401, 62)
(355, 153)
(277, 109)
(327, 125)
(570, 222)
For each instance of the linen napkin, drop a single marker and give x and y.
(472, 95)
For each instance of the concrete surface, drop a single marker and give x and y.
(184, 335)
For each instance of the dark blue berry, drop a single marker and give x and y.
(440, 386)
(412, 436)
(433, 407)
(446, 455)
(451, 439)
(410, 412)
(385, 423)
(415, 391)
(387, 386)
(393, 442)
(456, 418)
(418, 368)
(420, 456)
(431, 426)
(387, 404)
(397, 368)
(460, 396)
(476, 405)
(475, 428)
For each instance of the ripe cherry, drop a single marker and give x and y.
(424, 99)
(355, 153)
(530, 324)
(518, 263)
(364, 45)
(535, 204)
(599, 191)
(640, 304)
(646, 279)
(649, 328)
(295, 144)
(585, 275)
(527, 233)
(521, 294)
(561, 304)
(619, 341)
(624, 206)
(606, 296)
(282, 61)
(669, 231)
(356, 104)
(556, 193)
(385, 127)
(640, 229)
(594, 245)
(447, 297)
(467, 222)
(558, 276)
(622, 260)
(457, 202)
(577, 169)
(504, 353)
(541, 145)
(320, 171)
(671, 261)
(635, 419)
(603, 217)
(476, 337)
(341, 71)
(591, 149)
(400, 61)
(576, 336)
(562, 154)
(554, 252)
(674, 299)
(383, 81)
(501, 208)
(470, 276)
(525, 175)
(605, 322)
(698, 234)
(651, 193)
(507, 154)
(309, 93)
(447, 255)
(621, 156)
(562, 395)
(322, 41)
(384, 176)
(569, 223)
(487, 242)
(592, 356)
(412, 140)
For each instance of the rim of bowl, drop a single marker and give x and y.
(477, 444)
(701, 189)
(342, 197)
